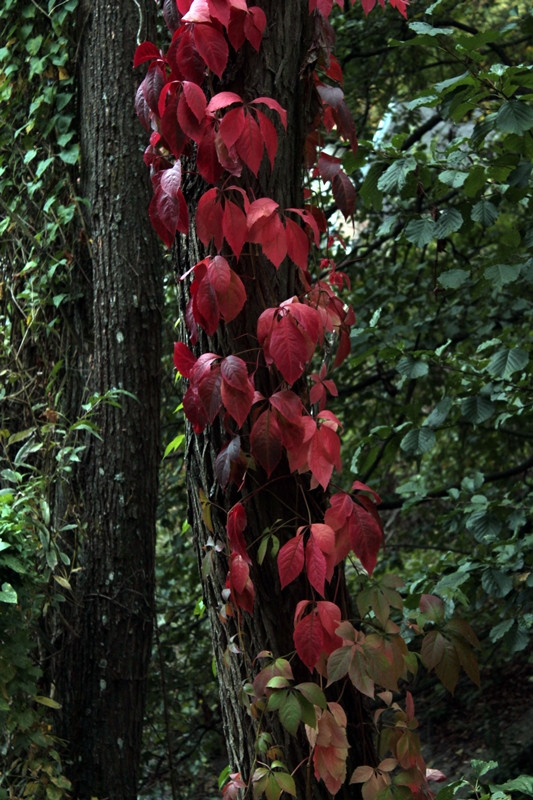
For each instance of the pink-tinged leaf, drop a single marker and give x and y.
(237, 389)
(287, 403)
(288, 349)
(368, 5)
(234, 227)
(344, 194)
(291, 560)
(274, 106)
(235, 526)
(212, 47)
(432, 607)
(152, 85)
(222, 100)
(198, 11)
(209, 219)
(269, 134)
(308, 318)
(265, 442)
(260, 211)
(232, 126)
(166, 235)
(250, 145)
(254, 26)
(184, 360)
(315, 565)
(142, 109)
(230, 463)
(171, 180)
(308, 637)
(435, 775)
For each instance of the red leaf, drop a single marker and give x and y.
(184, 360)
(291, 560)
(275, 106)
(254, 26)
(183, 56)
(328, 166)
(315, 565)
(222, 100)
(146, 51)
(234, 227)
(330, 618)
(288, 348)
(212, 47)
(237, 389)
(250, 145)
(344, 194)
(270, 137)
(358, 486)
(240, 584)
(232, 126)
(271, 236)
(324, 536)
(235, 526)
(152, 84)
(265, 441)
(308, 637)
(209, 219)
(297, 244)
(366, 537)
(228, 287)
(209, 392)
(207, 161)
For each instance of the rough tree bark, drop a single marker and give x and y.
(281, 70)
(103, 651)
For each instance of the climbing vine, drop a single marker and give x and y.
(229, 139)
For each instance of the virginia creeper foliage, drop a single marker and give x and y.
(232, 139)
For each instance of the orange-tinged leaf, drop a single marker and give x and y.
(432, 650)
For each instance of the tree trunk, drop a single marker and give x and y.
(101, 667)
(281, 70)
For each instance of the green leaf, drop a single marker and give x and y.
(420, 231)
(395, 176)
(312, 692)
(339, 663)
(484, 212)
(439, 413)
(369, 189)
(449, 221)
(290, 714)
(8, 594)
(422, 28)
(501, 274)
(46, 701)
(499, 630)
(418, 441)
(484, 526)
(453, 278)
(523, 785)
(514, 116)
(285, 782)
(412, 368)
(477, 409)
(507, 361)
(496, 583)
(453, 177)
